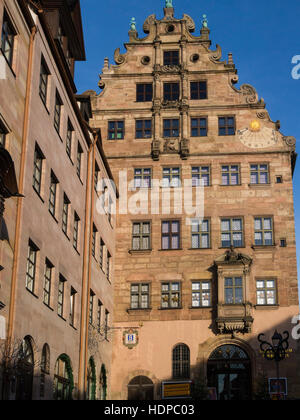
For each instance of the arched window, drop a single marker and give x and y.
(45, 368)
(140, 388)
(91, 380)
(103, 383)
(181, 362)
(63, 379)
(25, 369)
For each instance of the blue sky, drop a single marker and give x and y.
(263, 36)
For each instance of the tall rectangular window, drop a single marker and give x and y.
(140, 296)
(259, 174)
(171, 91)
(232, 232)
(65, 215)
(171, 58)
(201, 234)
(96, 176)
(234, 291)
(144, 92)
(171, 128)
(101, 259)
(94, 239)
(99, 316)
(263, 231)
(170, 295)
(171, 177)
(37, 169)
(3, 133)
(31, 267)
(171, 234)
(198, 90)
(53, 194)
(8, 38)
(266, 293)
(91, 307)
(201, 176)
(116, 130)
(142, 177)
(76, 230)
(44, 76)
(199, 127)
(72, 306)
(226, 126)
(201, 294)
(141, 236)
(108, 266)
(47, 282)
(61, 296)
(143, 129)
(69, 140)
(106, 324)
(79, 160)
(57, 112)
(230, 175)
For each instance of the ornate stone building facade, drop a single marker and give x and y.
(57, 250)
(190, 301)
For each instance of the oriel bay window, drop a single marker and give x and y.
(144, 92)
(199, 127)
(141, 236)
(171, 234)
(170, 295)
(140, 296)
(234, 291)
(171, 128)
(116, 130)
(266, 293)
(201, 294)
(263, 231)
(171, 91)
(232, 232)
(8, 38)
(201, 234)
(259, 174)
(143, 129)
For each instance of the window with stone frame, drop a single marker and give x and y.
(116, 130)
(65, 214)
(94, 240)
(44, 77)
(201, 173)
(171, 58)
(37, 169)
(8, 38)
(91, 307)
(57, 112)
(266, 292)
(76, 231)
(199, 90)
(201, 234)
(79, 160)
(143, 129)
(232, 232)
(107, 319)
(144, 92)
(259, 174)
(69, 141)
(31, 266)
(142, 177)
(99, 316)
(181, 362)
(234, 294)
(171, 91)
(101, 258)
(61, 296)
(108, 266)
(171, 295)
(199, 127)
(73, 294)
(171, 127)
(201, 294)
(47, 282)
(141, 236)
(227, 126)
(96, 176)
(171, 177)
(231, 175)
(263, 231)
(53, 194)
(140, 296)
(171, 235)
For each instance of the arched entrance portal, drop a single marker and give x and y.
(229, 371)
(140, 388)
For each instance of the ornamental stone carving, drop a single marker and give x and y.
(119, 58)
(290, 142)
(155, 149)
(148, 23)
(216, 56)
(249, 93)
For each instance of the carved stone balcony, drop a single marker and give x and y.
(234, 318)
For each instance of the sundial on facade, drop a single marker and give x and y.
(257, 137)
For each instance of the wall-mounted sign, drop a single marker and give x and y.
(130, 338)
(175, 390)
